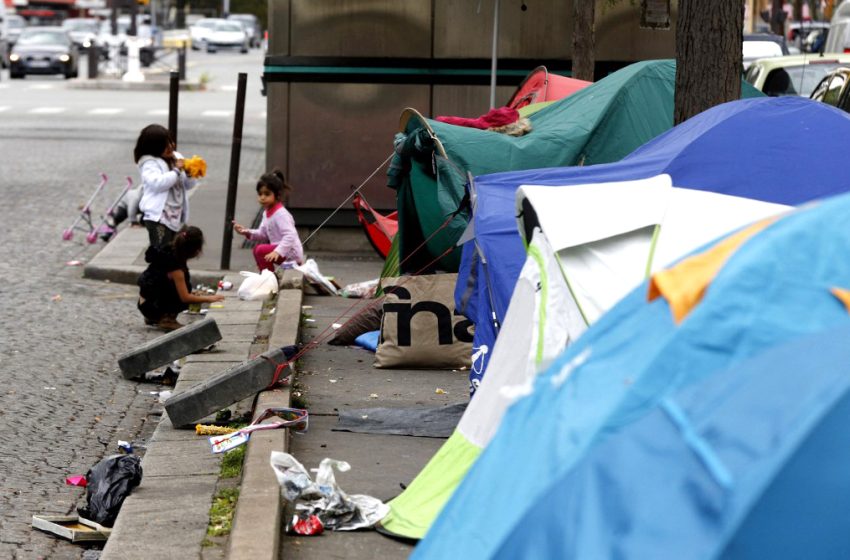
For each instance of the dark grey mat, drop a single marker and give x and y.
(435, 421)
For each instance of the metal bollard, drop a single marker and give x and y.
(181, 62)
(94, 59)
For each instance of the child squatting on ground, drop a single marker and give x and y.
(164, 184)
(165, 288)
(278, 238)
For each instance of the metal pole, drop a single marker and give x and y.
(173, 90)
(94, 58)
(494, 56)
(233, 181)
(181, 62)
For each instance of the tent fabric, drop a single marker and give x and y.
(746, 463)
(773, 290)
(540, 86)
(532, 338)
(737, 149)
(379, 229)
(601, 123)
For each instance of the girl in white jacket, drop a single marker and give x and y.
(165, 186)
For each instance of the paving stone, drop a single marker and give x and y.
(169, 347)
(223, 389)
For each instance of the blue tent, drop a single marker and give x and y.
(773, 290)
(784, 150)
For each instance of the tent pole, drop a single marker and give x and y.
(494, 56)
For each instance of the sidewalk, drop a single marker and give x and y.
(167, 516)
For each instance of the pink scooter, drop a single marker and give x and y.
(85, 217)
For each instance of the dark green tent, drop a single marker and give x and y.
(601, 123)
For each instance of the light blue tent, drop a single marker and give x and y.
(774, 290)
(783, 150)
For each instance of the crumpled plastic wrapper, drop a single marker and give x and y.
(365, 289)
(323, 497)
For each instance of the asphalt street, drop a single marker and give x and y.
(63, 403)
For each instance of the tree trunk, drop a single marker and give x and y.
(798, 10)
(708, 55)
(777, 17)
(583, 45)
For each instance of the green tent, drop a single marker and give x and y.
(601, 123)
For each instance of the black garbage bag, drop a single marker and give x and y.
(109, 482)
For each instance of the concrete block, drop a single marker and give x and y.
(224, 389)
(169, 347)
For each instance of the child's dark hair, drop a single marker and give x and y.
(153, 140)
(188, 243)
(275, 182)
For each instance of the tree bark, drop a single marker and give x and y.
(708, 55)
(584, 58)
(798, 10)
(777, 17)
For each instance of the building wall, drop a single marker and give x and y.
(331, 136)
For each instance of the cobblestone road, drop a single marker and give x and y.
(63, 403)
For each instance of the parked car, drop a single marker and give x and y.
(10, 29)
(227, 35)
(44, 50)
(83, 31)
(793, 75)
(798, 33)
(199, 32)
(252, 28)
(833, 89)
(763, 45)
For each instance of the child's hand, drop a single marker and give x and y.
(272, 257)
(239, 229)
(178, 164)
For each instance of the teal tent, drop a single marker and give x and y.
(601, 123)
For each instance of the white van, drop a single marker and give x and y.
(838, 39)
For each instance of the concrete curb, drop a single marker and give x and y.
(257, 521)
(118, 84)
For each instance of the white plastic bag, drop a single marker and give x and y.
(310, 270)
(257, 286)
(337, 510)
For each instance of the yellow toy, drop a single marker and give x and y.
(195, 167)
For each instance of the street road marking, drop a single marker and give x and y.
(4, 86)
(42, 86)
(4, 109)
(47, 110)
(106, 111)
(228, 88)
(158, 112)
(216, 113)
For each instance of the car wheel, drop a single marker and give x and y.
(16, 75)
(210, 49)
(244, 50)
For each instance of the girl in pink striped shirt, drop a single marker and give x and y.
(278, 238)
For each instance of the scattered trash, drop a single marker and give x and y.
(109, 482)
(225, 285)
(76, 480)
(309, 320)
(440, 391)
(332, 380)
(336, 326)
(295, 418)
(311, 525)
(74, 263)
(306, 307)
(373, 396)
(73, 528)
(49, 388)
(125, 446)
(257, 286)
(164, 396)
(204, 311)
(57, 297)
(365, 289)
(216, 306)
(323, 498)
(212, 430)
(166, 376)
